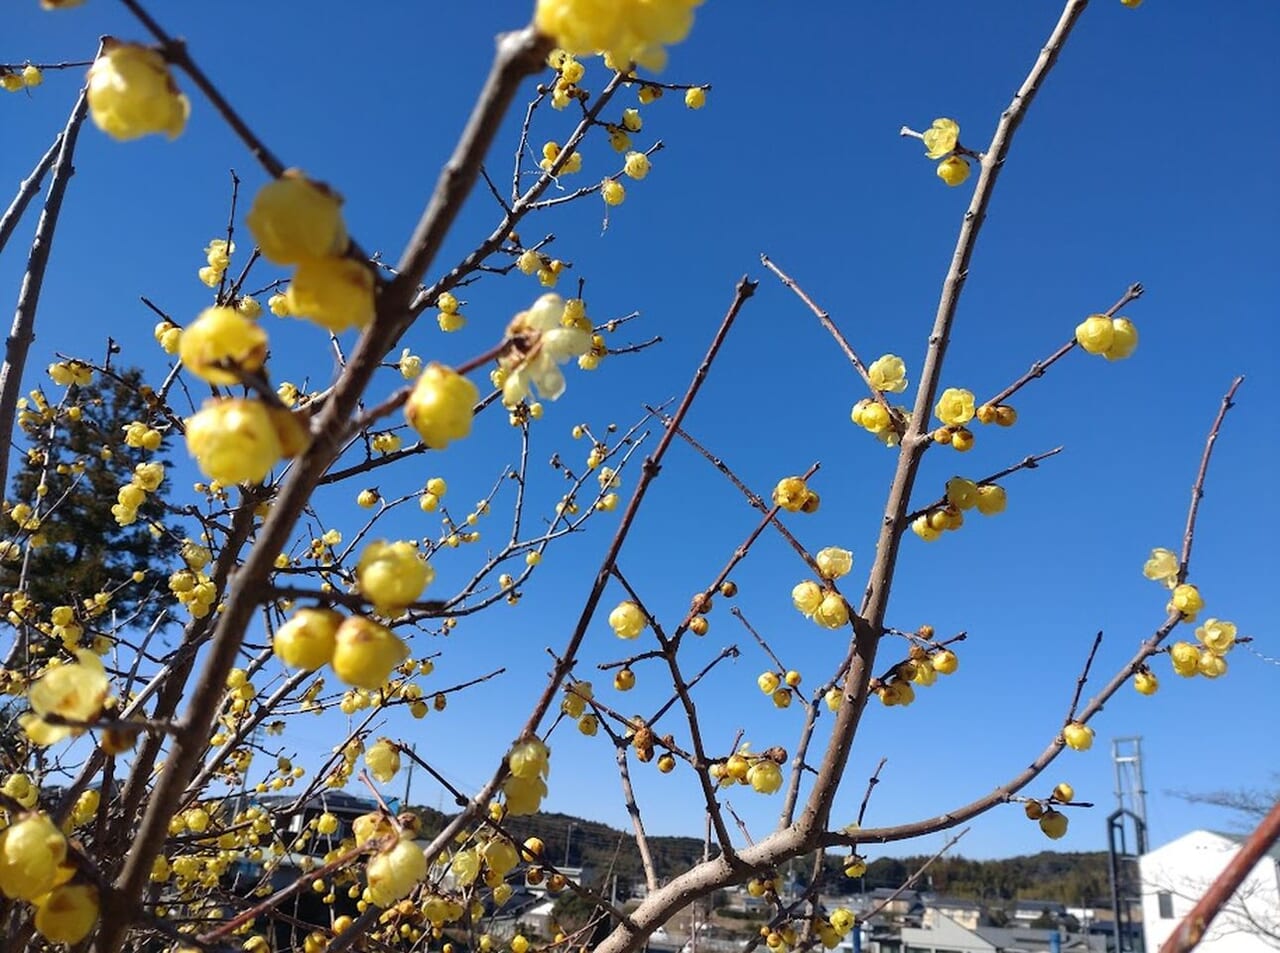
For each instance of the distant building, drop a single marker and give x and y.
(1176, 875)
(968, 913)
(943, 934)
(1026, 912)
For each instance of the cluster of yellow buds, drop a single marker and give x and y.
(942, 141)
(625, 32)
(529, 762)
(760, 771)
(449, 317)
(793, 495)
(1052, 821)
(141, 437)
(823, 605)
(779, 686)
(569, 73)
(194, 590)
(35, 867)
(15, 80)
(551, 151)
(574, 704)
(1215, 637)
(922, 667)
(147, 478)
(548, 269)
(360, 651)
(218, 258)
(955, 408)
(962, 494)
(1112, 338)
(65, 373)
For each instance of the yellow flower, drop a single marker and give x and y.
(1124, 340)
(955, 406)
(1145, 682)
(132, 94)
(392, 874)
(834, 562)
(30, 853)
(294, 218)
(888, 373)
(695, 98)
(74, 691)
(954, 170)
(1162, 566)
(941, 138)
(626, 31)
(1185, 658)
(925, 529)
(627, 620)
(67, 913)
(791, 494)
(1217, 636)
(765, 777)
(524, 795)
(549, 337)
(383, 760)
(11, 82)
(392, 575)
(335, 293)
(308, 639)
(991, 499)
(1210, 664)
(962, 493)
(234, 440)
(31, 76)
(529, 759)
(806, 597)
(832, 612)
(365, 653)
(1186, 599)
(1077, 736)
(1094, 333)
(441, 405)
(220, 344)
(612, 192)
(636, 166)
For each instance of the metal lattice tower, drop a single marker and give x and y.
(1131, 791)
(1126, 842)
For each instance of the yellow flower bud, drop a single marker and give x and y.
(220, 343)
(392, 575)
(441, 406)
(365, 653)
(308, 640)
(383, 760)
(627, 620)
(234, 440)
(295, 218)
(392, 874)
(31, 851)
(954, 170)
(131, 93)
(765, 777)
(67, 913)
(335, 293)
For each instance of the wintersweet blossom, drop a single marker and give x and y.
(294, 218)
(955, 406)
(941, 138)
(888, 373)
(1217, 635)
(626, 31)
(545, 337)
(131, 93)
(1162, 566)
(75, 691)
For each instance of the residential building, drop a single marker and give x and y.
(1176, 875)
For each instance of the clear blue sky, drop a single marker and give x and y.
(1149, 157)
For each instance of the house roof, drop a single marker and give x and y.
(1009, 940)
(954, 903)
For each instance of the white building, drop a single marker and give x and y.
(1176, 875)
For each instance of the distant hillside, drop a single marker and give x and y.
(1073, 878)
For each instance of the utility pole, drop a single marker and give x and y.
(408, 777)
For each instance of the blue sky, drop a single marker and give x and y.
(1147, 158)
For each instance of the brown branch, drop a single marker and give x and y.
(1133, 293)
(916, 439)
(825, 320)
(23, 331)
(518, 54)
(175, 51)
(1026, 463)
(1197, 489)
(1196, 923)
(1084, 677)
(26, 191)
(871, 786)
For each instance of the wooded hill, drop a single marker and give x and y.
(1078, 879)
